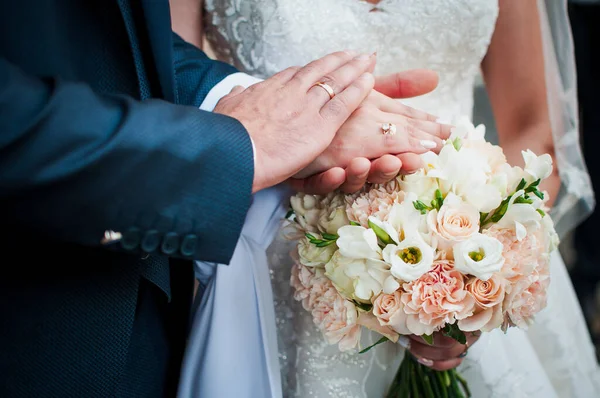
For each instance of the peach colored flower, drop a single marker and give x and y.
(387, 306)
(435, 299)
(337, 319)
(376, 202)
(488, 297)
(520, 257)
(455, 221)
(309, 284)
(527, 297)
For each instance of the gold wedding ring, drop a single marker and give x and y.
(388, 128)
(325, 87)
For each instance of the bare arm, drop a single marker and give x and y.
(186, 20)
(513, 70)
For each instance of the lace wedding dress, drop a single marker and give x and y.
(261, 37)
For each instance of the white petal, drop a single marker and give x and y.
(521, 231)
(390, 285)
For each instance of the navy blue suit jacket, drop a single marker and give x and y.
(100, 130)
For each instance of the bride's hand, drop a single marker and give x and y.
(362, 137)
(445, 353)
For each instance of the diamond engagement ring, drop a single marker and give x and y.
(388, 128)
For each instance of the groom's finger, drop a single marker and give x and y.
(406, 84)
(384, 169)
(340, 78)
(356, 175)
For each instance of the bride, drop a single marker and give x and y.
(264, 350)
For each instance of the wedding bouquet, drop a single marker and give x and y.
(462, 245)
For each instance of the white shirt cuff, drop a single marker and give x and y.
(223, 88)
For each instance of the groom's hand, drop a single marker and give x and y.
(406, 84)
(290, 120)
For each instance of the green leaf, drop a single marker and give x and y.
(457, 143)
(521, 199)
(310, 237)
(501, 210)
(330, 236)
(381, 234)
(363, 306)
(422, 207)
(542, 212)
(439, 198)
(428, 338)
(455, 333)
(381, 340)
(289, 213)
(354, 223)
(535, 183)
(521, 185)
(482, 217)
(325, 243)
(539, 194)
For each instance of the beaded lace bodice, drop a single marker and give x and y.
(262, 37)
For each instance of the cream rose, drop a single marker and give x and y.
(480, 256)
(488, 297)
(455, 221)
(388, 309)
(313, 256)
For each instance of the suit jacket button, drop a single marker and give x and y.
(188, 245)
(151, 241)
(170, 243)
(131, 238)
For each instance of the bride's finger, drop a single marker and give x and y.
(387, 104)
(384, 169)
(440, 130)
(356, 175)
(411, 162)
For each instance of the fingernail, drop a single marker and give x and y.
(428, 144)
(362, 57)
(390, 175)
(404, 342)
(373, 55)
(425, 362)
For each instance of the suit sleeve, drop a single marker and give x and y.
(74, 164)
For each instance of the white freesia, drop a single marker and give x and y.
(480, 256)
(386, 227)
(358, 242)
(464, 129)
(552, 239)
(410, 259)
(467, 174)
(538, 167)
(405, 219)
(507, 178)
(313, 256)
(520, 217)
(357, 279)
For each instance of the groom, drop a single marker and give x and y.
(108, 188)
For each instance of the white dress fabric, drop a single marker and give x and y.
(554, 358)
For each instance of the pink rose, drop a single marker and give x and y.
(455, 221)
(376, 202)
(388, 309)
(488, 297)
(337, 319)
(435, 299)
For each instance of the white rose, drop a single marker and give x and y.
(332, 219)
(419, 184)
(455, 221)
(307, 211)
(410, 259)
(480, 256)
(357, 279)
(313, 256)
(538, 167)
(358, 242)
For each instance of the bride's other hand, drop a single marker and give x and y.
(363, 135)
(445, 353)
